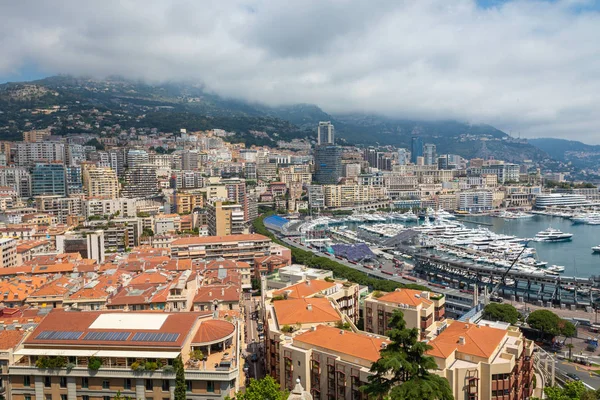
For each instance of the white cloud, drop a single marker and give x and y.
(525, 66)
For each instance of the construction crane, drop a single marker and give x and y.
(493, 296)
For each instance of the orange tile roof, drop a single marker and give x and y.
(154, 277)
(305, 311)
(212, 330)
(305, 289)
(10, 339)
(209, 293)
(343, 342)
(30, 244)
(480, 341)
(405, 296)
(18, 289)
(218, 239)
(62, 320)
(56, 287)
(53, 268)
(178, 265)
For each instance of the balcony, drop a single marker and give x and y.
(191, 374)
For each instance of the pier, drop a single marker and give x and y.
(555, 290)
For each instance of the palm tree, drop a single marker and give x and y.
(570, 347)
(402, 371)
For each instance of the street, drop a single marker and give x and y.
(254, 346)
(591, 380)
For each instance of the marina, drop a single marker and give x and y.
(536, 258)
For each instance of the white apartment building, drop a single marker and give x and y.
(475, 200)
(29, 153)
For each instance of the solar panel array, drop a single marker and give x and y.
(155, 337)
(356, 252)
(59, 335)
(107, 336)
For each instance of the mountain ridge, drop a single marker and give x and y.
(175, 105)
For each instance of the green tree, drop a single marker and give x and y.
(545, 321)
(147, 232)
(402, 371)
(501, 312)
(180, 385)
(574, 390)
(262, 389)
(549, 323)
(94, 142)
(567, 329)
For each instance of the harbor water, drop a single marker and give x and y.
(576, 255)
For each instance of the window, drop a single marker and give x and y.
(210, 386)
(27, 397)
(63, 381)
(127, 383)
(105, 384)
(106, 398)
(84, 383)
(149, 385)
(85, 397)
(48, 397)
(63, 397)
(188, 386)
(47, 381)
(165, 385)
(26, 381)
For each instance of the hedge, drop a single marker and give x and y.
(310, 259)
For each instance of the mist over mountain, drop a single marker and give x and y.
(175, 105)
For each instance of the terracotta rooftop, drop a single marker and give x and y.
(219, 239)
(180, 323)
(209, 293)
(30, 244)
(305, 288)
(178, 265)
(305, 311)
(343, 342)
(212, 330)
(57, 287)
(480, 341)
(153, 276)
(146, 293)
(10, 339)
(405, 296)
(96, 289)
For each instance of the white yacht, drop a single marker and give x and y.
(596, 249)
(553, 235)
(443, 214)
(556, 268)
(410, 216)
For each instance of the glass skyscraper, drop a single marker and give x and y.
(49, 179)
(328, 164)
(416, 149)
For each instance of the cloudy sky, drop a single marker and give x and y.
(529, 67)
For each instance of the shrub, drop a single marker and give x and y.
(287, 329)
(196, 354)
(70, 366)
(151, 366)
(51, 362)
(94, 363)
(168, 369)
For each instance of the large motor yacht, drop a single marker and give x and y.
(553, 235)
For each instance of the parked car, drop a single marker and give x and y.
(573, 376)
